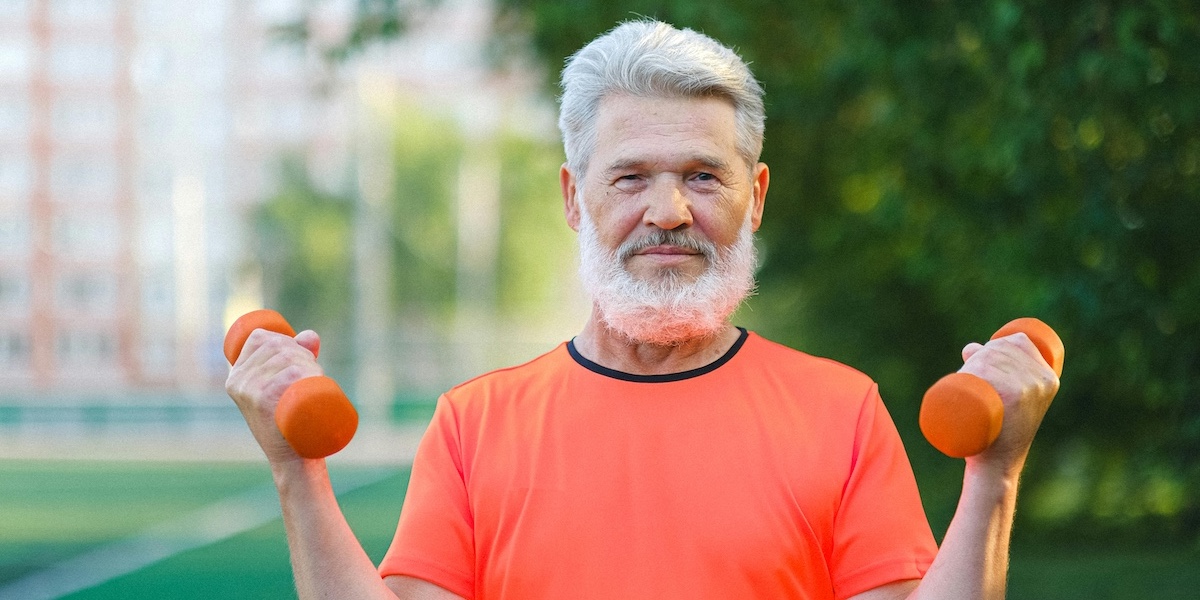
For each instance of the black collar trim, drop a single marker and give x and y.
(665, 378)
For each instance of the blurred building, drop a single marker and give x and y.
(135, 136)
(130, 132)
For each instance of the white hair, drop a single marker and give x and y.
(673, 309)
(653, 59)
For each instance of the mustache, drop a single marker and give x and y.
(668, 237)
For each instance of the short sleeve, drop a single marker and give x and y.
(434, 539)
(881, 533)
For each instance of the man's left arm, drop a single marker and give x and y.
(972, 563)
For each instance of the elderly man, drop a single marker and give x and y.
(663, 452)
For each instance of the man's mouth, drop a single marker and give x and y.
(666, 245)
(668, 250)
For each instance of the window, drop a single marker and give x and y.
(16, 57)
(93, 292)
(150, 67)
(157, 241)
(94, 237)
(82, 12)
(14, 292)
(73, 62)
(82, 348)
(157, 352)
(155, 184)
(14, 350)
(14, 11)
(158, 293)
(86, 176)
(85, 117)
(14, 234)
(16, 175)
(14, 117)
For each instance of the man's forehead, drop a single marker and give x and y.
(637, 131)
(625, 109)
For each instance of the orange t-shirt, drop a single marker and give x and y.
(768, 474)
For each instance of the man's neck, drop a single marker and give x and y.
(612, 350)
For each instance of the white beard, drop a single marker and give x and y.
(670, 310)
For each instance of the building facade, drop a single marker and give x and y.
(134, 135)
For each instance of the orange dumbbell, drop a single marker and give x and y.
(314, 415)
(961, 414)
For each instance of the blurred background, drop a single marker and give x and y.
(385, 172)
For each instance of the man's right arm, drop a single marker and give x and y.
(327, 559)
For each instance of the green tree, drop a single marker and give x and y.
(304, 236)
(427, 150)
(302, 239)
(939, 168)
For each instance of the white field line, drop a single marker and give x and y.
(207, 525)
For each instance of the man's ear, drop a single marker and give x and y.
(570, 194)
(762, 179)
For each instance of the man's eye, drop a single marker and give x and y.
(628, 182)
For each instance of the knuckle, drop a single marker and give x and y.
(292, 373)
(235, 384)
(231, 387)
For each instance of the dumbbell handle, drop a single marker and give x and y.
(962, 414)
(314, 415)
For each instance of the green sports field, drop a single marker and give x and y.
(51, 512)
(212, 531)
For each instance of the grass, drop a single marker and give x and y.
(51, 511)
(1105, 574)
(255, 563)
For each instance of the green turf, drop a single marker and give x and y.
(51, 511)
(1105, 574)
(255, 564)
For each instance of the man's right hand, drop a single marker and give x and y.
(269, 363)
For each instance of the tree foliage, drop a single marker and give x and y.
(303, 239)
(941, 167)
(304, 235)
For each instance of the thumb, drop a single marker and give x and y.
(970, 349)
(310, 341)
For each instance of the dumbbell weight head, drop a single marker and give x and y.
(315, 417)
(1043, 337)
(961, 415)
(241, 329)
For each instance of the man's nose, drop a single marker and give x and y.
(667, 206)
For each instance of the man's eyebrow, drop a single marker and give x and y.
(623, 164)
(708, 161)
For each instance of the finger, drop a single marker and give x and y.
(310, 341)
(267, 356)
(970, 349)
(1022, 341)
(1020, 344)
(256, 340)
